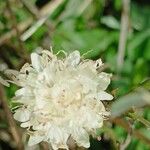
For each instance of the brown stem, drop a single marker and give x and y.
(21, 27)
(44, 146)
(124, 124)
(12, 125)
(36, 14)
(124, 145)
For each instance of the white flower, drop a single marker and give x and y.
(61, 98)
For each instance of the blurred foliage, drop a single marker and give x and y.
(93, 27)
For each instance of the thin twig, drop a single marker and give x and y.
(123, 33)
(127, 141)
(24, 25)
(13, 128)
(137, 134)
(14, 23)
(48, 10)
(35, 12)
(84, 6)
(21, 27)
(136, 116)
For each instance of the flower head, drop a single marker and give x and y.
(61, 98)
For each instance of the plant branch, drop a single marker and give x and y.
(21, 27)
(24, 25)
(13, 128)
(35, 13)
(45, 13)
(123, 33)
(127, 141)
(137, 134)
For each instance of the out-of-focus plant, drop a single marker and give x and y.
(93, 28)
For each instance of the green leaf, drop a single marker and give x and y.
(136, 42)
(140, 71)
(147, 50)
(75, 8)
(146, 84)
(110, 22)
(117, 4)
(140, 16)
(94, 40)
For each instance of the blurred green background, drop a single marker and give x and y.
(92, 27)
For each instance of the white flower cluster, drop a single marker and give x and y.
(61, 98)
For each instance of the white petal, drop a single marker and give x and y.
(89, 119)
(36, 62)
(49, 73)
(88, 84)
(25, 124)
(73, 59)
(98, 63)
(81, 137)
(22, 115)
(58, 137)
(24, 92)
(35, 139)
(56, 91)
(102, 95)
(11, 72)
(104, 80)
(26, 67)
(4, 82)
